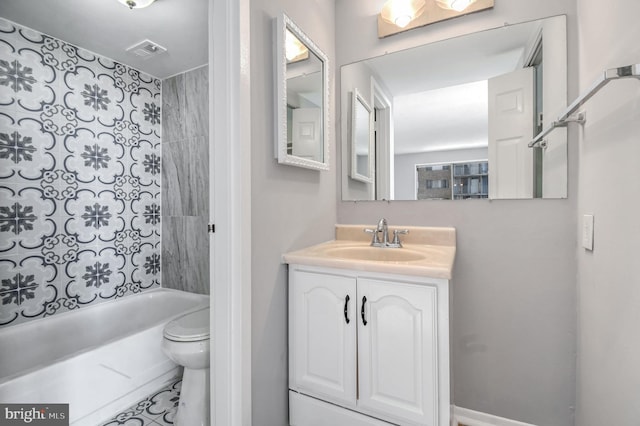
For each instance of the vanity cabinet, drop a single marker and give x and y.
(367, 348)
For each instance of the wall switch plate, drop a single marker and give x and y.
(587, 231)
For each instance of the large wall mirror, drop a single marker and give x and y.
(302, 98)
(453, 118)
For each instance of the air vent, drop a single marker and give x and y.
(146, 49)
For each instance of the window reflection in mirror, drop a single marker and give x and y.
(447, 102)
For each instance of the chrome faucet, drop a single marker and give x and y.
(384, 243)
(382, 227)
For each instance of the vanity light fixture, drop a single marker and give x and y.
(397, 16)
(457, 5)
(136, 4)
(402, 12)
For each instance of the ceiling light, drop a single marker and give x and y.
(136, 4)
(457, 5)
(402, 12)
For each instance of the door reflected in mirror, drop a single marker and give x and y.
(478, 98)
(301, 79)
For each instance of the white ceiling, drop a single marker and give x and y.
(435, 107)
(108, 28)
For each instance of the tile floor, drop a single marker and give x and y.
(157, 409)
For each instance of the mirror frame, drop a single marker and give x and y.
(356, 98)
(282, 24)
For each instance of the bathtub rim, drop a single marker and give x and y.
(203, 298)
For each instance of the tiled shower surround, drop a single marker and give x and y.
(79, 177)
(185, 177)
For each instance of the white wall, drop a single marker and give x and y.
(290, 207)
(608, 283)
(513, 292)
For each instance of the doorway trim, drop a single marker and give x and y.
(230, 211)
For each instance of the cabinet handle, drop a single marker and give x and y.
(364, 301)
(346, 304)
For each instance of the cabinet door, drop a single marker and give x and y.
(322, 343)
(397, 351)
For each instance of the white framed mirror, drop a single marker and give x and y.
(302, 88)
(361, 139)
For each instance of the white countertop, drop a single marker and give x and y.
(436, 248)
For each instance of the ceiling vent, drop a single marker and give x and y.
(146, 49)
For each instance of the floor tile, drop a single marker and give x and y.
(159, 408)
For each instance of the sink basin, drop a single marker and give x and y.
(376, 254)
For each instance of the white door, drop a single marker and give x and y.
(322, 323)
(307, 133)
(511, 127)
(398, 351)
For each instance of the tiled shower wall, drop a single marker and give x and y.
(79, 177)
(185, 176)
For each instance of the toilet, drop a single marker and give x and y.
(186, 342)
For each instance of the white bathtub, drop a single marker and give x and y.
(99, 359)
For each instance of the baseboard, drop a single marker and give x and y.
(462, 416)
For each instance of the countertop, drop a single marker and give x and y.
(435, 246)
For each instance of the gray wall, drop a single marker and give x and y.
(513, 320)
(290, 207)
(185, 178)
(608, 290)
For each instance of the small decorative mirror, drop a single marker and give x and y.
(302, 98)
(361, 139)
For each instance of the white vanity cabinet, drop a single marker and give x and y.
(367, 348)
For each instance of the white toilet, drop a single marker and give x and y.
(186, 342)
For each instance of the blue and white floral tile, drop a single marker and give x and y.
(26, 218)
(146, 111)
(146, 163)
(30, 80)
(158, 408)
(25, 150)
(95, 216)
(61, 247)
(146, 265)
(27, 286)
(96, 275)
(79, 162)
(148, 215)
(94, 157)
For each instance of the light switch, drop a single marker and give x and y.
(587, 231)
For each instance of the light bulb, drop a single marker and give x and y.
(136, 4)
(460, 5)
(403, 20)
(457, 5)
(402, 12)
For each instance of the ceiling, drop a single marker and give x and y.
(108, 28)
(439, 90)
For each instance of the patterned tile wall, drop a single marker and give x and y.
(79, 177)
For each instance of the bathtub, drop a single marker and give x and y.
(99, 359)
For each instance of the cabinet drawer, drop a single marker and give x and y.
(307, 411)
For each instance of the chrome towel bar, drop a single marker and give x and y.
(629, 71)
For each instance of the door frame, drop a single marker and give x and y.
(230, 211)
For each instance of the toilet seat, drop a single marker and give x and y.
(191, 327)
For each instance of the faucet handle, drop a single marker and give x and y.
(396, 238)
(376, 237)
